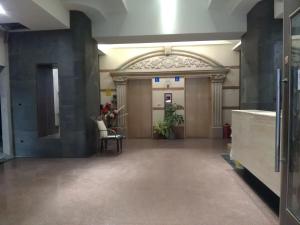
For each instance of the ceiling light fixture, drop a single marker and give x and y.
(2, 10)
(106, 47)
(168, 14)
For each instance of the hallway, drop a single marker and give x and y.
(154, 182)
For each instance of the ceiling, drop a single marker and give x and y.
(130, 21)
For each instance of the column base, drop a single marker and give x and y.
(216, 132)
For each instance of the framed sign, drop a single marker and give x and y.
(168, 98)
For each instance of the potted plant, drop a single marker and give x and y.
(171, 121)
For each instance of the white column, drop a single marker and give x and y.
(217, 105)
(121, 89)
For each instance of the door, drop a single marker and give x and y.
(197, 107)
(290, 163)
(139, 102)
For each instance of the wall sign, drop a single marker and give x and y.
(156, 79)
(168, 99)
(177, 78)
(108, 92)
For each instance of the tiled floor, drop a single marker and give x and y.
(152, 183)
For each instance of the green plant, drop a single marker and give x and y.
(171, 120)
(162, 128)
(171, 117)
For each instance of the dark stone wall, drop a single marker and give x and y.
(261, 55)
(75, 54)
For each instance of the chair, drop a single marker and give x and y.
(105, 134)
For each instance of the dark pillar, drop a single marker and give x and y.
(261, 55)
(74, 53)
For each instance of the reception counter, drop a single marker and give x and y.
(253, 145)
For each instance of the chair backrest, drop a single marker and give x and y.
(102, 129)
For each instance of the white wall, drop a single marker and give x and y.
(223, 54)
(37, 14)
(56, 9)
(278, 9)
(5, 98)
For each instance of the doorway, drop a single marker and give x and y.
(139, 102)
(47, 101)
(197, 107)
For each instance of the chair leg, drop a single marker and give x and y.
(118, 146)
(101, 146)
(97, 145)
(121, 144)
(105, 144)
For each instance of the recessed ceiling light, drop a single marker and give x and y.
(2, 10)
(105, 47)
(168, 11)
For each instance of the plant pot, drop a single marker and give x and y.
(179, 132)
(172, 135)
(158, 136)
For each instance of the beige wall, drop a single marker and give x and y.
(222, 54)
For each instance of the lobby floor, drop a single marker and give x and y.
(154, 182)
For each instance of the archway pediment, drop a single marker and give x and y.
(169, 62)
(165, 62)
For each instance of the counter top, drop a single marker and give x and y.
(258, 112)
(253, 145)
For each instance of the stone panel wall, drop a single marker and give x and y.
(75, 54)
(261, 55)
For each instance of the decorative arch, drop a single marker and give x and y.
(175, 60)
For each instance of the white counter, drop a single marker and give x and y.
(253, 144)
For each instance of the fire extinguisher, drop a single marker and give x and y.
(226, 131)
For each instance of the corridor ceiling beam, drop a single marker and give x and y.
(97, 8)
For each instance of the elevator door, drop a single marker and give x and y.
(197, 108)
(139, 100)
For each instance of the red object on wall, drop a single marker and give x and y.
(226, 131)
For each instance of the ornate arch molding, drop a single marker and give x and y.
(168, 62)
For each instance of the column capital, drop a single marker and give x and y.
(119, 80)
(217, 78)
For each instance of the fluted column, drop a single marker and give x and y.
(217, 105)
(121, 89)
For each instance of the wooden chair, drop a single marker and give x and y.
(105, 135)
